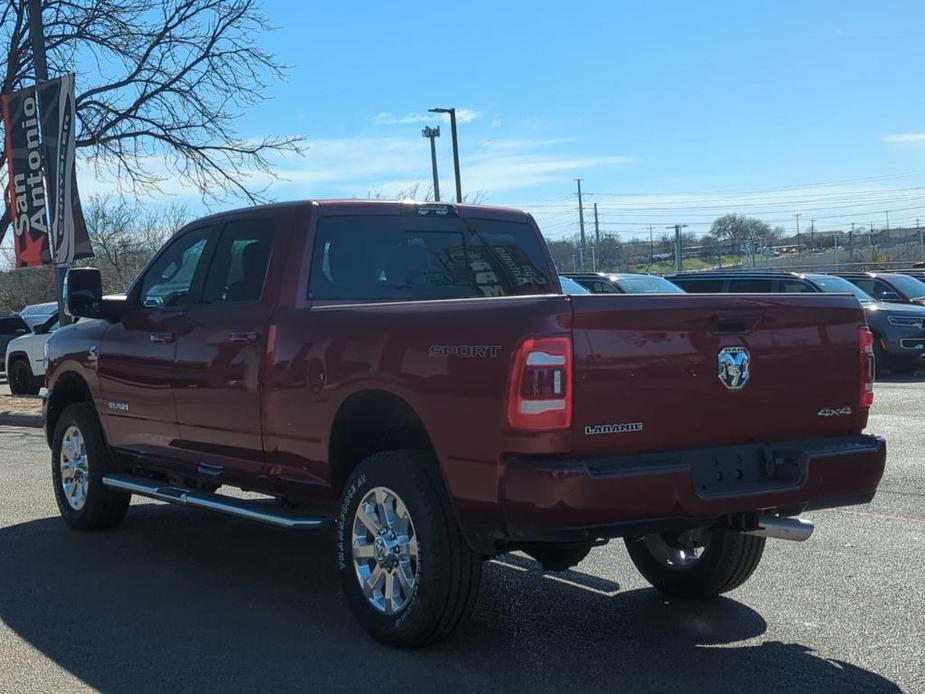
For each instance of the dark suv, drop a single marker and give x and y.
(891, 287)
(899, 330)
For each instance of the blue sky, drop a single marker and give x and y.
(670, 111)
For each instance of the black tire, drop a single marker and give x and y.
(103, 507)
(882, 365)
(726, 562)
(448, 572)
(20, 378)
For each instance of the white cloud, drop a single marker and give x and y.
(354, 166)
(389, 164)
(463, 115)
(905, 139)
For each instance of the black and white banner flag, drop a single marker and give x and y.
(66, 221)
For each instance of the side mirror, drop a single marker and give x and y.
(83, 292)
(41, 329)
(891, 297)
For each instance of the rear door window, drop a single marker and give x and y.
(239, 266)
(599, 287)
(404, 257)
(872, 287)
(793, 286)
(751, 286)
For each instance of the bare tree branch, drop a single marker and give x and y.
(161, 84)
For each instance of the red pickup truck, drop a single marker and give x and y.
(410, 376)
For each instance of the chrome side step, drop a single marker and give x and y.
(241, 508)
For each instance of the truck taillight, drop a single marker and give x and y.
(868, 368)
(539, 394)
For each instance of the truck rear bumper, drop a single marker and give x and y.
(574, 500)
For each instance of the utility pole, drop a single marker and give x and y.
(851, 242)
(678, 262)
(887, 213)
(921, 237)
(581, 214)
(651, 246)
(432, 134)
(37, 39)
(452, 114)
(799, 238)
(597, 230)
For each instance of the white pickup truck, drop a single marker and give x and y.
(24, 359)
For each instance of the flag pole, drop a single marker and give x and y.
(37, 38)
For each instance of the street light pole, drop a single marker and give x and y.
(452, 112)
(37, 39)
(432, 134)
(581, 215)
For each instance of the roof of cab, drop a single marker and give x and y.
(359, 207)
(607, 275)
(733, 274)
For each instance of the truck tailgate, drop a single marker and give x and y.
(647, 370)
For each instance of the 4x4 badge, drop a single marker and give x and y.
(734, 367)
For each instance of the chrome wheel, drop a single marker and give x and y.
(385, 550)
(75, 470)
(678, 550)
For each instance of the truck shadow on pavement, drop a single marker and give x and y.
(178, 600)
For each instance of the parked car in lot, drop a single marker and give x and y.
(898, 330)
(410, 375)
(740, 282)
(23, 356)
(891, 287)
(623, 283)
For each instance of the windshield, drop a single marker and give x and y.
(570, 286)
(828, 283)
(647, 284)
(910, 286)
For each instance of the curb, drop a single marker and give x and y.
(21, 419)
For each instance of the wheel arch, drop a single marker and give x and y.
(371, 421)
(70, 388)
(13, 356)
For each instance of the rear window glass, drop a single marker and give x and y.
(404, 257)
(829, 283)
(648, 285)
(696, 286)
(909, 286)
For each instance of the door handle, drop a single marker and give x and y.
(242, 337)
(162, 338)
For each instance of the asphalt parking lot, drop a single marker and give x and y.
(180, 600)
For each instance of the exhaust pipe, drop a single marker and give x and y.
(782, 528)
